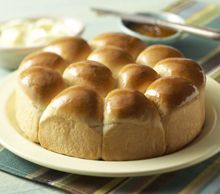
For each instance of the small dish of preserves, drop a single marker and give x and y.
(154, 31)
(150, 33)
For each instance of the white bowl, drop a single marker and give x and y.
(124, 25)
(10, 57)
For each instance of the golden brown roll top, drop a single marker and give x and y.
(40, 84)
(112, 57)
(131, 44)
(169, 93)
(182, 67)
(77, 103)
(132, 127)
(136, 77)
(155, 53)
(43, 59)
(127, 105)
(189, 70)
(91, 74)
(72, 49)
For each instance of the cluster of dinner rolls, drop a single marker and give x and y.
(113, 98)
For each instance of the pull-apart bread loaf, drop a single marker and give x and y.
(112, 99)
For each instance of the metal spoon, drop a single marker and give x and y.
(197, 30)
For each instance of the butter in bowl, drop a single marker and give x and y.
(19, 37)
(151, 33)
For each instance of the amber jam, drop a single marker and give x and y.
(152, 30)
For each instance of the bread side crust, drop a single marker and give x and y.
(27, 115)
(183, 124)
(124, 141)
(70, 137)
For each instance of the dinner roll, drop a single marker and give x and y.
(44, 59)
(131, 44)
(92, 74)
(72, 49)
(155, 53)
(36, 87)
(72, 123)
(185, 68)
(132, 127)
(112, 57)
(179, 105)
(182, 67)
(136, 77)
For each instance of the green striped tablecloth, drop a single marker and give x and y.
(203, 178)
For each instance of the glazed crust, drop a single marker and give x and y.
(41, 84)
(92, 74)
(182, 67)
(43, 59)
(136, 77)
(114, 58)
(72, 49)
(78, 102)
(131, 44)
(155, 53)
(168, 93)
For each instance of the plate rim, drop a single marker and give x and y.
(101, 168)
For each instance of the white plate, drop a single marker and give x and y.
(205, 146)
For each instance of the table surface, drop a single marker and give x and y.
(75, 8)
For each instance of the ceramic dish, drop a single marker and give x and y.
(10, 57)
(124, 25)
(205, 146)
